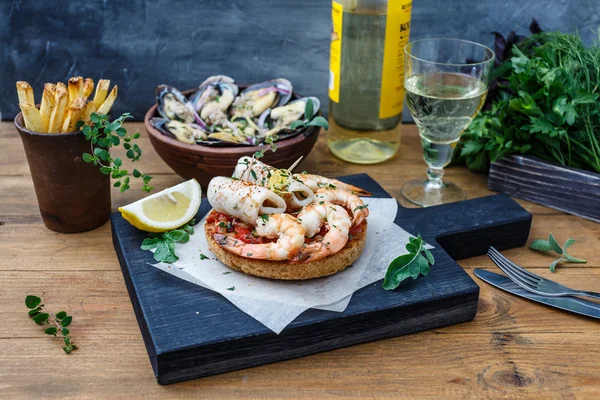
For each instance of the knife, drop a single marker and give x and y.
(572, 304)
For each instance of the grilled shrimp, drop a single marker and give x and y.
(346, 199)
(316, 182)
(333, 241)
(286, 228)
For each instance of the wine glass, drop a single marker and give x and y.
(446, 82)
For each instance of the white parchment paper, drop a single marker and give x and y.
(277, 303)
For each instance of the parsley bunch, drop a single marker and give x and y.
(544, 104)
(103, 135)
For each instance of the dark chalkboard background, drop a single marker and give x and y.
(139, 44)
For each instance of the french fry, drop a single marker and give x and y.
(61, 85)
(101, 92)
(32, 117)
(110, 100)
(47, 104)
(90, 108)
(74, 114)
(25, 93)
(61, 99)
(88, 87)
(75, 86)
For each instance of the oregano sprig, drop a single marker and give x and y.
(164, 243)
(417, 262)
(60, 321)
(552, 245)
(310, 119)
(104, 134)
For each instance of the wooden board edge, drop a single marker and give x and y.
(362, 328)
(139, 315)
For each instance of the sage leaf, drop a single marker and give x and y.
(554, 244)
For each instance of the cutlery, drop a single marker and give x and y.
(572, 304)
(532, 282)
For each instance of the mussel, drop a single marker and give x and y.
(273, 121)
(255, 99)
(184, 132)
(213, 98)
(173, 105)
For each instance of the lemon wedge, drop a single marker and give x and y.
(166, 210)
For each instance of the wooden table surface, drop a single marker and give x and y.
(514, 348)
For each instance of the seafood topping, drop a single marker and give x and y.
(263, 213)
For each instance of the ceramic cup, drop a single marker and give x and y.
(73, 196)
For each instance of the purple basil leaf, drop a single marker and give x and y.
(499, 46)
(534, 27)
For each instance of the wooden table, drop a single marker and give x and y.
(513, 348)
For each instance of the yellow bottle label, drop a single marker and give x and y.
(335, 56)
(397, 29)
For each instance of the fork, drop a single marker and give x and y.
(532, 282)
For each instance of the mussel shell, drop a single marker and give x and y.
(162, 125)
(223, 82)
(266, 116)
(162, 91)
(280, 83)
(159, 124)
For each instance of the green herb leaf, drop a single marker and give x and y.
(66, 321)
(540, 245)
(319, 121)
(297, 124)
(417, 262)
(554, 244)
(61, 315)
(32, 301)
(203, 257)
(231, 288)
(51, 331)
(309, 110)
(88, 158)
(41, 319)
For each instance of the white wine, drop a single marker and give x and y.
(366, 78)
(443, 105)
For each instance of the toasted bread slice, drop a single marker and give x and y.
(288, 270)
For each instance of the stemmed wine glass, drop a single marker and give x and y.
(446, 82)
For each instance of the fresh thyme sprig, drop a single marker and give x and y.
(552, 245)
(310, 119)
(61, 320)
(103, 135)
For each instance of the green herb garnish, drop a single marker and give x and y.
(361, 207)
(309, 118)
(203, 257)
(103, 135)
(164, 243)
(552, 245)
(61, 320)
(231, 288)
(417, 262)
(264, 217)
(544, 103)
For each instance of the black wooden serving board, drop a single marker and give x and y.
(184, 345)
